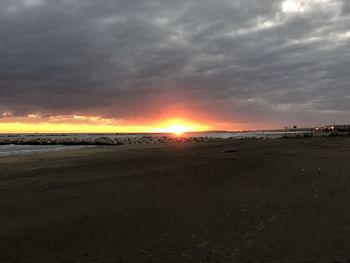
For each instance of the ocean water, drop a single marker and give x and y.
(6, 150)
(238, 135)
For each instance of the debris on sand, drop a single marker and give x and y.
(231, 150)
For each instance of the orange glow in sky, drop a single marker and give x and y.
(94, 124)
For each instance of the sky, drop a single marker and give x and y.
(125, 65)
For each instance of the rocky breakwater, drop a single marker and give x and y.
(51, 140)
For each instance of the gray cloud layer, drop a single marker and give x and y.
(254, 61)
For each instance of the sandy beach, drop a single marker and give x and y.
(219, 201)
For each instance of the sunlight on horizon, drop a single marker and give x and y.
(180, 126)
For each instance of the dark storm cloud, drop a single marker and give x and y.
(255, 61)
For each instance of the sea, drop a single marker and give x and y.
(11, 149)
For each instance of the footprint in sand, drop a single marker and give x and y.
(273, 217)
(315, 191)
(260, 227)
(250, 243)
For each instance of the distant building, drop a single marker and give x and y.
(330, 128)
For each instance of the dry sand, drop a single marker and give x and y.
(260, 201)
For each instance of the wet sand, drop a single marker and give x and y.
(225, 201)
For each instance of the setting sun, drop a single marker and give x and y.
(179, 126)
(178, 129)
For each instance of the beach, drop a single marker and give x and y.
(248, 200)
